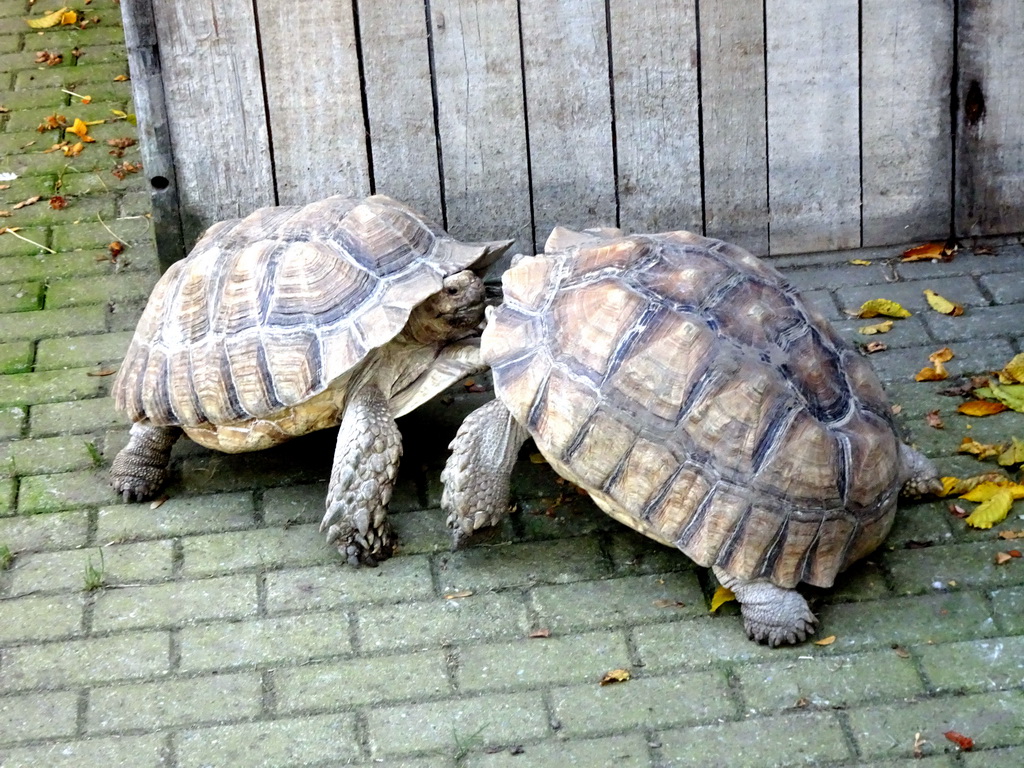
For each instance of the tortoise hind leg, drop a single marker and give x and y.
(362, 478)
(771, 614)
(140, 468)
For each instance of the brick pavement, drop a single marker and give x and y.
(225, 632)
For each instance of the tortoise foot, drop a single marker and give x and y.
(367, 549)
(772, 615)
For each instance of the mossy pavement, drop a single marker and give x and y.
(227, 633)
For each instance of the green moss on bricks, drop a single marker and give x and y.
(16, 358)
(49, 387)
(51, 455)
(93, 234)
(69, 490)
(12, 421)
(21, 297)
(129, 286)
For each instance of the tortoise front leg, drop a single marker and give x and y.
(140, 468)
(365, 466)
(476, 476)
(771, 614)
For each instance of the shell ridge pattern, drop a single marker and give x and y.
(732, 542)
(695, 522)
(842, 442)
(658, 497)
(780, 419)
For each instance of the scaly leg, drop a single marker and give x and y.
(476, 477)
(365, 465)
(771, 615)
(140, 468)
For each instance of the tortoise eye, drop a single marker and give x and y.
(451, 290)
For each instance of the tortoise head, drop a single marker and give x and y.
(920, 477)
(452, 313)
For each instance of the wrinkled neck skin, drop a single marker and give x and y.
(452, 313)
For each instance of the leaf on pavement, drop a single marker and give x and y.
(943, 305)
(870, 330)
(615, 676)
(933, 420)
(50, 19)
(721, 597)
(1013, 372)
(993, 511)
(980, 408)
(885, 307)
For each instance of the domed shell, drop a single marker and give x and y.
(686, 386)
(269, 310)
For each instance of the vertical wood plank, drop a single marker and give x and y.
(481, 122)
(215, 108)
(313, 97)
(568, 103)
(735, 139)
(654, 66)
(990, 135)
(906, 70)
(813, 125)
(396, 66)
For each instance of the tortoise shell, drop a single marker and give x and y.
(687, 387)
(269, 311)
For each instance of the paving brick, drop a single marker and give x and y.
(920, 523)
(75, 210)
(48, 386)
(46, 266)
(113, 752)
(41, 618)
(545, 562)
(51, 455)
(65, 570)
(827, 682)
(787, 740)
(977, 323)
(126, 286)
(12, 421)
(421, 532)
(8, 493)
(265, 641)
(212, 472)
(910, 293)
(21, 297)
(968, 565)
(175, 603)
(701, 643)
(535, 662)
(866, 580)
(434, 623)
(38, 716)
(1008, 607)
(58, 530)
(994, 758)
(626, 751)
(635, 555)
(975, 665)
(34, 237)
(89, 415)
(82, 351)
(330, 587)
(646, 702)
(16, 357)
(68, 77)
(991, 719)
(174, 703)
(53, 322)
(366, 681)
(1002, 289)
(72, 237)
(561, 517)
(69, 490)
(903, 364)
(69, 663)
(179, 516)
(218, 553)
(300, 741)
(618, 602)
(457, 724)
(840, 275)
(906, 332)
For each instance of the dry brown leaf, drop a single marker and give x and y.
(157, 503)
(27, 202)
(102, 372)
(52, 122)
(885, 307)
(1009, 535)
(964, 742)
(615, 676)
(870, 330)
(875, 346)
(459, 595)
(826, 640)
(943, 305)
(943, 355)
(981, 450)
(74, 150)
(933, 420)
(902, 652)
(1013, 372)
(539, 633)
(981, 408)
(58, 202)
(923, 252)
(1003, 557)
(938, 373)
(668, 604)
(896, 410)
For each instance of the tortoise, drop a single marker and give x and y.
(295, 319)
(685, 385)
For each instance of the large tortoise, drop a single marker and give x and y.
(686, 386)
(295, 319)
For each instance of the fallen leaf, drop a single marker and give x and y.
(1003, 557)
(938, 373)
(68, 17)
(49, 20)
(870, 330)
(993, 511)
(1011, 534)
(826, 640)
(902, 652)
(1011, 395)
(157, 503)
(121, 170)
(964, 742)
(721, 597)
(120, 78)
(458, 595)
(540, 633)
(943, 355)
(919, 745)
(860, 262)
(668, 604)
(1013, 372)
(1014, 453)
(74, 150)
(943, 305)
(981, 450)
(27, 202)
(57, 202)
(102, 372)
(988, 490)
(81, 129)
(615, 676)
(924, 252)
(52, 122)
(933, 420)
(885, 307)
(802, 703)
(1014, 553)
(537, 458)
(875, 346)
(957, 511)
(980, 408)
(895, 410)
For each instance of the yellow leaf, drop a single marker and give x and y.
(120, 78)
(943, 305)
(826, 640)
(876, 307)
(980, 408)
(988, 490)
(860, 262)
(459, 595)
(536, 458)
(69, 18)
(938, 373)
(47, 21)
(926, 252)
(1013, 373)
(81, 130)
(615, 676)
(1014, 454)
(981, 450)
(954, 486)
(720, 598)
(1012, 395)
(993, 511)
(943, 355)
(870, 330)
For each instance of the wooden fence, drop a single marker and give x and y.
(784, 125)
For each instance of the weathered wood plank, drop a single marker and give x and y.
(906, 70)
(735, 139)
(396, 66)
(481, 120)
(316, 111)
(657, 136)
(215, 108)
(813, 131)
(990, 135)
(568, 103)
(151, 111)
